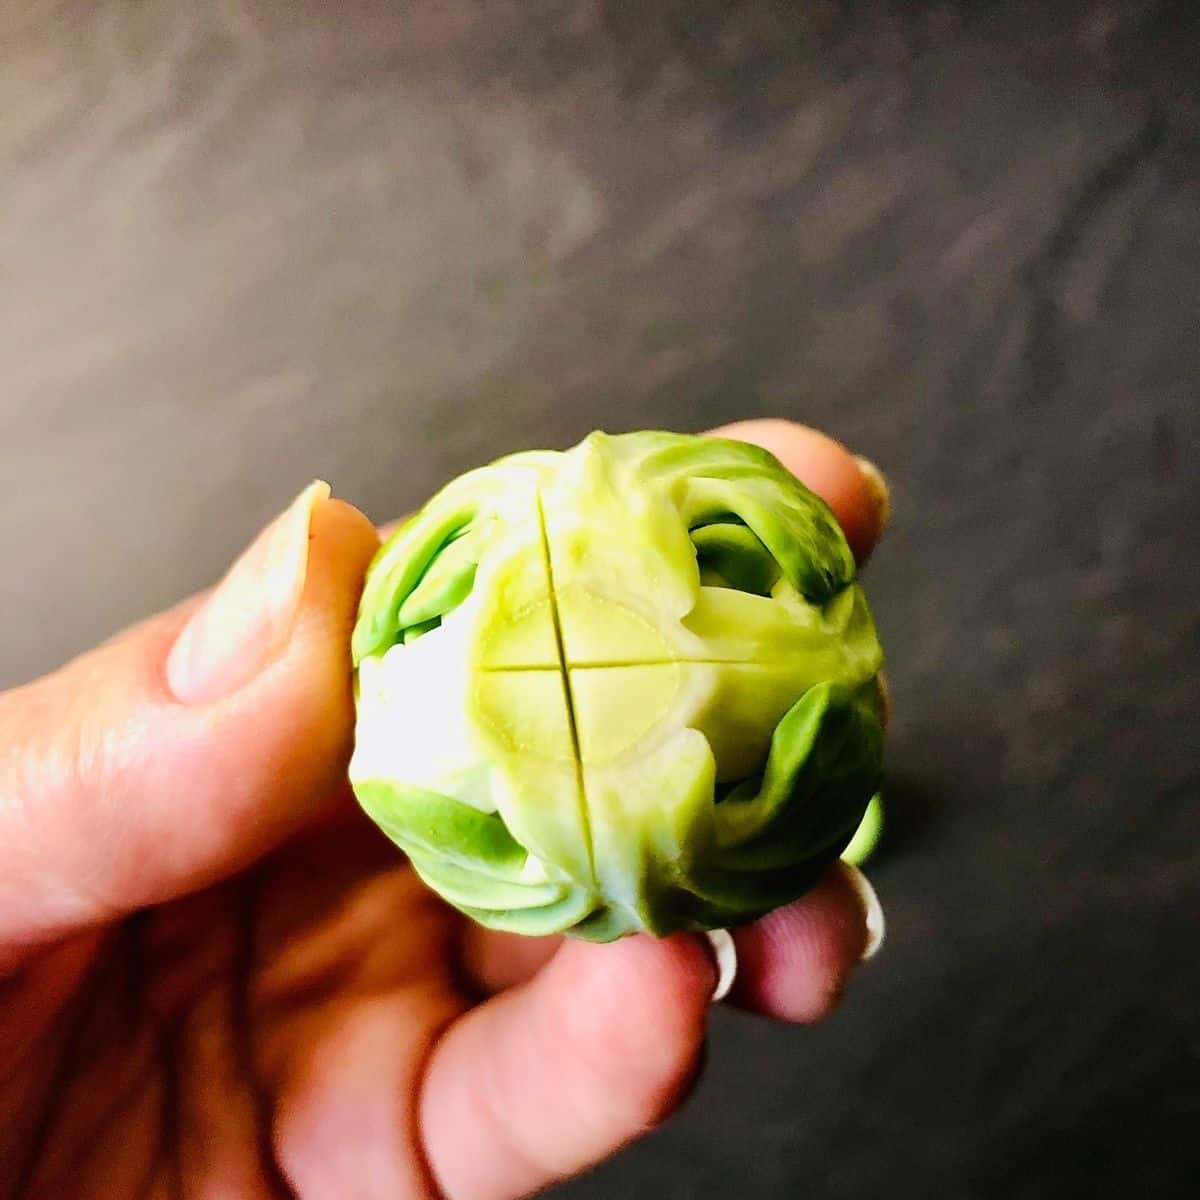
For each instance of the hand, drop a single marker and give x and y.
(217, 979)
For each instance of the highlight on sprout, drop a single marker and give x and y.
(630, 686)
(867, 837)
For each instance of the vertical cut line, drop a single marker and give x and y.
(580, 793)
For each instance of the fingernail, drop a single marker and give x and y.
(872, 910)
(242, 625)
(881, 494)
(724, 951)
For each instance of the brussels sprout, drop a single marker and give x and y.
(632, 686)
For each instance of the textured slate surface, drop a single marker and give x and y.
(244, 244)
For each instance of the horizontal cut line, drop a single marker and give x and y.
(616, 664)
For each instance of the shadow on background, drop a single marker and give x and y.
(913, 810)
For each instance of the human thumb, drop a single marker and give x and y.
(188, 746)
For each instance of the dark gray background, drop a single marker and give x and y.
(245, 244)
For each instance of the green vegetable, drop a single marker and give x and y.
(866, 838)
(632, 686)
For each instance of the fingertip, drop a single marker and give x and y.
(795, 962)
(724, 952)
(344, 534)
(874, 922)
(342, 542)
(878, 491)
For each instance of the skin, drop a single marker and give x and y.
(217, 979)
